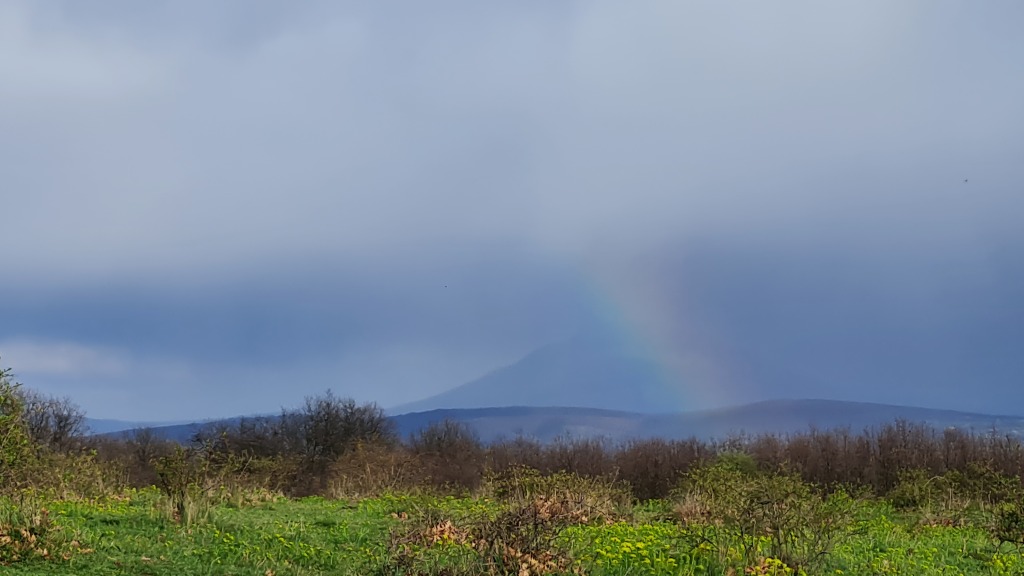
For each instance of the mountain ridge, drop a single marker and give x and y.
(589, 371)
(780, 416)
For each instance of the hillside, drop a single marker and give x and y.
(592, 371)
(106, 426)
(779, 416)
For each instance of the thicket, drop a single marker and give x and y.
(335, 448)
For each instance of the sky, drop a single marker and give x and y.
(212, 209)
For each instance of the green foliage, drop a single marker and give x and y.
(916, 488)
(1008, 524)
(628, 548)
(956, 496)
(774, 515)
(36, 437)
(16, 447)
(984, 485)
(27, 532)
(193, 480)
(738, 462)
(184, 479)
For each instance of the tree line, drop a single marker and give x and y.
(334, 446)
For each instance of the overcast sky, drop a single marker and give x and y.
(217, 208)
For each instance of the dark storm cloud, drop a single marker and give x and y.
(261, 340)
(820, 321)
(222, 197)
(302, 313)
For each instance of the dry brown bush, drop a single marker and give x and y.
(653, 467)
(450, 454)
(370, 470)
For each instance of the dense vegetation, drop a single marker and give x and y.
(329, 488)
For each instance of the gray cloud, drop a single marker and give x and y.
(221, 186)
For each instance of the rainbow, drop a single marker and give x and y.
(650, 319)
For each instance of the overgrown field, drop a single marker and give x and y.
(723, 521)
(331, 489)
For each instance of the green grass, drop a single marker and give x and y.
(134, 535)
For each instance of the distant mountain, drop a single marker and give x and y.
(593, 371)
(788, 416)
(105, 426)
(182, 431)
(778, 416)
(775, 417)
(543, 424)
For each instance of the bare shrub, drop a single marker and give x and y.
(371, 470)
(139, 452)
(520, 451)
(55, 423)
(653, 467)
(450, 454)
(332, 426)
(582, 456)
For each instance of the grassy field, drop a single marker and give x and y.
(138, 534)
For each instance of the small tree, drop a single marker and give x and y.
(332, 426)
(57, 423)
(15, 442)
(451, 452)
